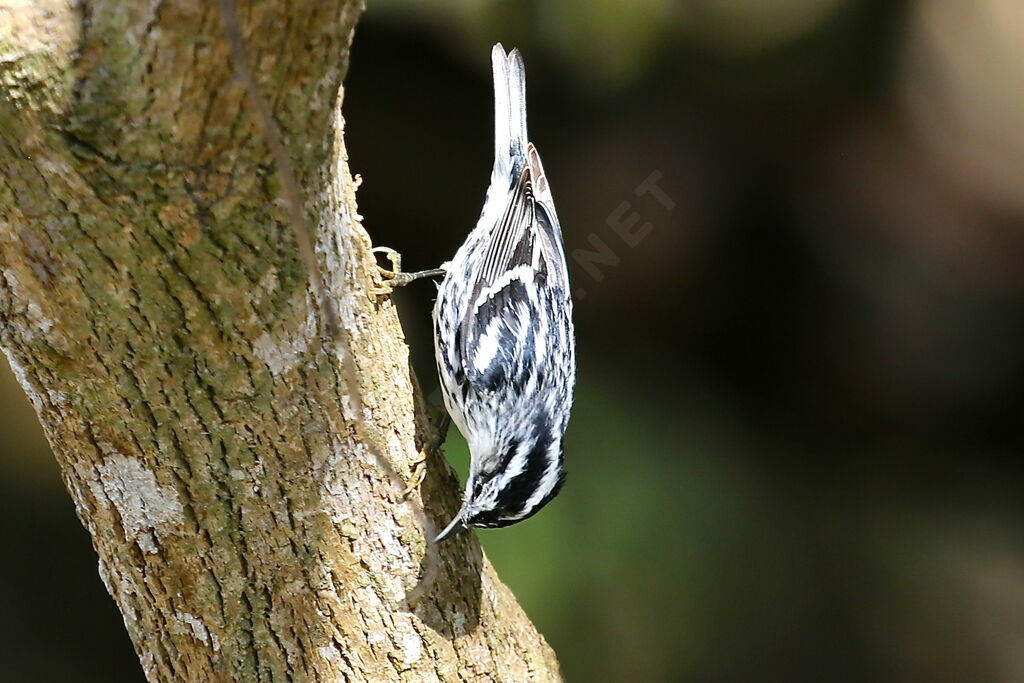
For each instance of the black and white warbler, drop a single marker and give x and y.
(503, 333)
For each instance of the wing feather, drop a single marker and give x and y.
(523, 264)
(508, 234)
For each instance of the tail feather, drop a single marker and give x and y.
(509, 107)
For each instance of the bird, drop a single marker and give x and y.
(503, 334)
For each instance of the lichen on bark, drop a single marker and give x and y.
(243, 497)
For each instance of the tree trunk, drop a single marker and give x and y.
(239, 469)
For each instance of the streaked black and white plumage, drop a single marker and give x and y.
(503, 330)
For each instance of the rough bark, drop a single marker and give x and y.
(242, 488)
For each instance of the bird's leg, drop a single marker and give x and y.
(395, 277)
(418, 466)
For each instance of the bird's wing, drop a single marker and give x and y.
(503, 331)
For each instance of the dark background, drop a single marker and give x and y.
(796, 448)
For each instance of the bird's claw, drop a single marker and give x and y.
(393, 256)
(389, 278)
(419, 462)
(396, 277)
(418, 466)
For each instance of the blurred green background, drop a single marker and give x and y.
(796, 448)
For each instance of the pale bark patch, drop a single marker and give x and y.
(188, 623)
(19, 374)
(40, 324)
(148, 510)
(282, 350)
(409, 641)
(284, 347)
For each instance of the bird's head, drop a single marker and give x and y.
(514, 487)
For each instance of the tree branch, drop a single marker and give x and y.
(242, 489)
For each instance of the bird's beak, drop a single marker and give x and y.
(455, 527)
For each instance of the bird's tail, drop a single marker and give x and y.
(509, 107)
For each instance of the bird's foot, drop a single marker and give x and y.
(395, 277)
(419, 461)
